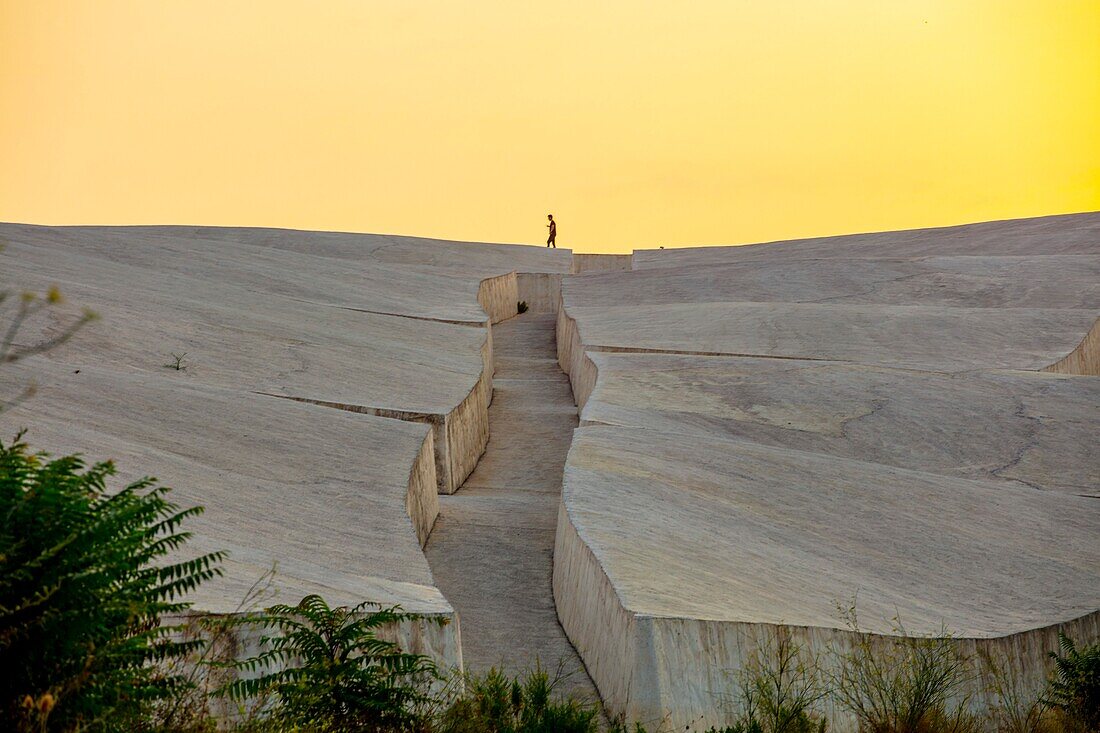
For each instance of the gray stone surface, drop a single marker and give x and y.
(671, 516)
(765, 431)
(904, 336)
(320, 492)
(340, 499)
(237, 333)
(1026, 428)
(770, 431)
(974, 281)
(1072, 234)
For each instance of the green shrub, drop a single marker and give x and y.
(1074, 688)
(327, 670)
(81, 596)
(780, 687)
(620, 727)
(904, 684)
(494, 703)
(1014, 706)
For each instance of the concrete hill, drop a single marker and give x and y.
(910, 419)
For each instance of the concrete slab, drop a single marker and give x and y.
(973, 281)
(377, 327)
(1027, 428)
(248, 339)
(912, 337)
(375, 286)
(228, 452)
(770, 431)
(1046, 235)
(485, 259)
(758, 534)
(676, 554)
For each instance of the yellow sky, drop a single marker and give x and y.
(636, 123)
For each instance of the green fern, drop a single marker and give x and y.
(328, 670)
(1074, 688)
(495, 703)
(81, 595)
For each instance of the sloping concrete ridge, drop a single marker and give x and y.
(909, 419)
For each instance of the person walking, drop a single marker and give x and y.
(552, 241)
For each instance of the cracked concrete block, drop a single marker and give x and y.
(769, 431)
(1021, 427)
(329, 382)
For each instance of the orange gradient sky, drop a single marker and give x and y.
(637, 124)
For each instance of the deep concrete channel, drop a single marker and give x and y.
(491, 548)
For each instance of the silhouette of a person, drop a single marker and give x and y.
(553, 227)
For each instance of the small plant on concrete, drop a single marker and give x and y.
(904, 684)
(1014, 707)
(327, 670)
(780, 687)
(521, 307)
(495, 703)
(1074, 689)
(176, 362)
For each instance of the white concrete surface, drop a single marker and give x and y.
(392, 332)
(1046, 235)
(1024, 428)
(769, 431)
(765, 431)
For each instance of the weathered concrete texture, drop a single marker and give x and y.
(1085, 359)
(541, 291)
(1022, 427)
(904, 336)
(270, 321)
(583, 263)
(574, 359)
(398, 275)
(238, 338)
(278, 478)
(491, 549)
(1039, 281)
(806, 530)
(484, 259)
(674, 550)
(806, 423)
(244, 338)
(498, 297)
(1072, 234)
(260, 316)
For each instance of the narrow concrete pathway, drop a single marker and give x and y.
(491, 548)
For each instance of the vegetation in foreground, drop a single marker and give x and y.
(86, 644)
(326, 669)
(90, 640)
(83, 596)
